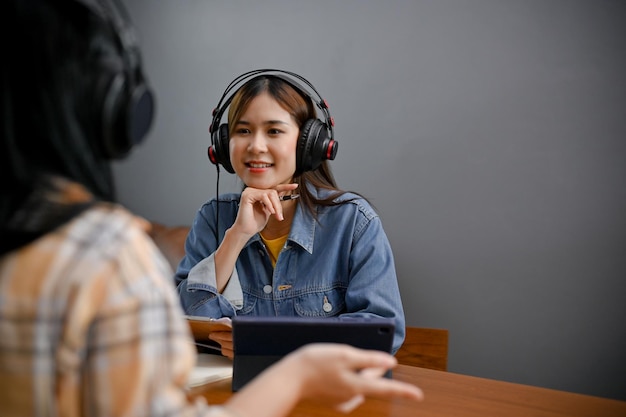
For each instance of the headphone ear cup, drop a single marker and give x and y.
(127, 114)
(314, 146)
(140, 113)
(218, 151)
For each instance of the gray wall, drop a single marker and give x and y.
(489, 134)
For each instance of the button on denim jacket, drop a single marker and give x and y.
(340, 265)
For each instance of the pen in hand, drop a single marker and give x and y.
(289, 197)
(204, 345)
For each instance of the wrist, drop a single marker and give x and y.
(298, 372)
(237, 236)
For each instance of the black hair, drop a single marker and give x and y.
(55, 53)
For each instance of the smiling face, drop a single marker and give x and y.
(263, 143)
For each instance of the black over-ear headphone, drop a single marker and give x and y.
(315, 143)
(125, 101)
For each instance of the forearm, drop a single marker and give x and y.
(278, 389)
(226, 257)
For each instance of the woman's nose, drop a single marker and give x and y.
(258, 143)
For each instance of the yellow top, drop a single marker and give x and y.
(274, 246)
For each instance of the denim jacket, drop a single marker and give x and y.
(340, 265)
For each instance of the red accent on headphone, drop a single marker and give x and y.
(211, 153)
(329, 150)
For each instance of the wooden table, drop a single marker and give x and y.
(448, 394)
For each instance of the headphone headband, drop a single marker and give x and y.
(226, 99)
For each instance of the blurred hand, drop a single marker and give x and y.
(341, 373)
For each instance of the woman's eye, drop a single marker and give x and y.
(242, 131)
(274, 131)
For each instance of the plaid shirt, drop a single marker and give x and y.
(90, 325)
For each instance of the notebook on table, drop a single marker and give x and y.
(209, 368)
(261, 341)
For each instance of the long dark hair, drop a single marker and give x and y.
(301, 108)
(55, 52)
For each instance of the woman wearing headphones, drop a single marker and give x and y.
(292, 243)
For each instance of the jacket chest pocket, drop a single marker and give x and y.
(323, 303)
